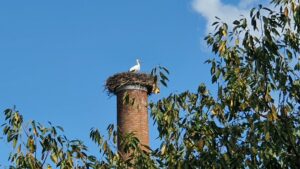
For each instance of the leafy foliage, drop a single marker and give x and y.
(54, 147)
(160, 74)
(252, 120)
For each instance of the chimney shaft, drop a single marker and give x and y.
(133, 113)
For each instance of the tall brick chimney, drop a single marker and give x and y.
(132, 90)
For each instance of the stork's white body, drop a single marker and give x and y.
(136, 68)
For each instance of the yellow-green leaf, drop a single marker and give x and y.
(200, 145)
(267, 137)
(54, 158)
(163, 149)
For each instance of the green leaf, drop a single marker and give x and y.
(297, 66)
(289, 54)
(236, 22)
(163, 83)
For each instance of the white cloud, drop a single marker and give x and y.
(226, 12)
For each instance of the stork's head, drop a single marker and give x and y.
(138, 61)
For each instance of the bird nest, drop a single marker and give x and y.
(128, 78)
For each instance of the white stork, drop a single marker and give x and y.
(136, 68)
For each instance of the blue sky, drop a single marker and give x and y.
(56, 55)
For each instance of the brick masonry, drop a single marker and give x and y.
(133, 117)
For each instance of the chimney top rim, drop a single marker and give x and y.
(120, 80)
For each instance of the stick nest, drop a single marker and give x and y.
(129, 78)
